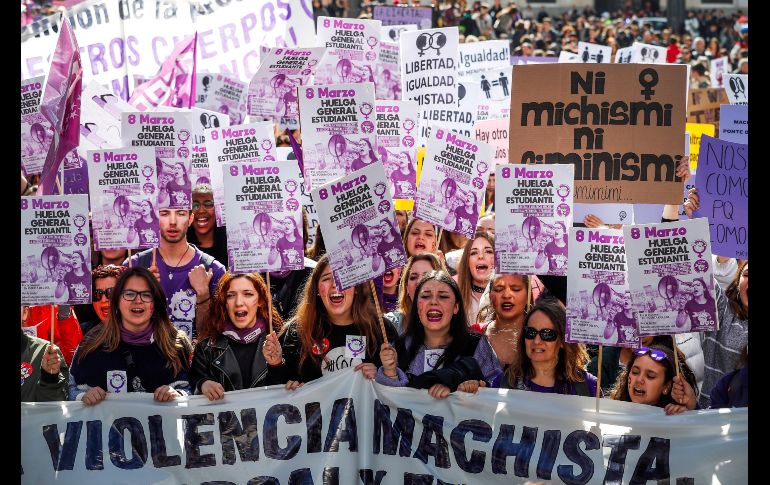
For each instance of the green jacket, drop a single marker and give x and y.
(36, 384)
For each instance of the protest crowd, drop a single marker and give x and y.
(432, 282)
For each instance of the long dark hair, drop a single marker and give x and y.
(733, 294)
(107, 335)
(462, 342)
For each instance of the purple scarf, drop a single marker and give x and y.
(144, 337)
(244, 335)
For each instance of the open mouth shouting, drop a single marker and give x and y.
(434, 316)
(388, 278)
(507, 306)
(202, 222)
(336, 298)
(482, 269)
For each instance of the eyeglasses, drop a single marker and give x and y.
(655, 354)
(99, 293)
(208, 204)
(546, 334)
(130, 295)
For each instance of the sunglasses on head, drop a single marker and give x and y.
(106, 292)
(546, 334)
(655, 354)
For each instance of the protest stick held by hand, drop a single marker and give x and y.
(379, 313)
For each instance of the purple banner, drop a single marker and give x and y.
(396, 15)
(723, 191)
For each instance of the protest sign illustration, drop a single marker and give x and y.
(123, 187)
(561, 114)
(391, 33)
(36, 131)
(273, 89)
(254, 142)
(594, 53)
(170, 133)
(670, 276)
(599, 307)
(338, 130)
(264, 216)
(227, 95)
(55, 250)
(359, 224)
(703, 105)
(396, 145)
(352, 50)
(488, 55)
(532, 236)
(388, 72)
(453, 182)
(202, 120)
(723, 195)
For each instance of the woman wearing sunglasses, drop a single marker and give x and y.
(546, 363)
(136, 349)
(438, 352)
(650, 378)
(104, 279)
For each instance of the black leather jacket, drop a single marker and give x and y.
(216, 362)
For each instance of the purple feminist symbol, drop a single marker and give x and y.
(372, 42)
(701, 266)
(482, 167)
(408, 125)
(185, 305)
(380, 189)
(81, 239)
(563, 191)
(356, 346)
(148, 188)
(365, 109)
(383, 206)
(267, 145)
(183, 152)
(563, 210)
(79, 221)
(117, 381)
(147, 171)
(699, 246)
(290, 186)
(433, 359)
(370, 56)
(183, 135)
(478, 183)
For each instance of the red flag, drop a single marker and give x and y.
(61, 104)
(174, 85)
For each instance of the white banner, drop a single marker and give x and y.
(347, 430)
(133, 37)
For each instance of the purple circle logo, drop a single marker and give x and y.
(148, 188)
(482, 167)
(80, 221)
(268, 158)
(290, 185)
(147, 171)
(80, 239)
(699, 246)
(367, 127)
(408, 141)
(183, 152)
(433, 359)
(383, 206)
(701, 266)
(292, 204)
(563, 210)
(370, 56)
(184, 135)
(478, 183)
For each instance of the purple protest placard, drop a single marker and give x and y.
(36, 131)
(55, 250)
(264, 216)
(670, 277)
(723, 191)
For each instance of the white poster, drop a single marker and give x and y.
(392, 33)
(648, 54)
(352, 50)
(273, 90)
(717, 70)
(359, 225)
(123, 186)
(671, 278)
(397, 146)
(484, 56)
(264, 225)
(534, 208)
(599, 308)
(170, 132)
(342, 428)
(737, 88)
(100, 113)
(594, 53)
(453, 182)
(55, 250)
(608, 213)
(254, 142)
(429, 74)
(338, 130)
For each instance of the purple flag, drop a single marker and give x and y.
(61, 104)
(174, 85)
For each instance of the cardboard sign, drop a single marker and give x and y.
(397, 147)
(55, 250)
(670, 277)
(703, 105)
(627, 153)
(535, 208)
(124, 198)
(599, 308)
(359, 226)
(264, 216)
(723, 195)
(453, 183)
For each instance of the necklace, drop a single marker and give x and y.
(477, 289)
(170, 274)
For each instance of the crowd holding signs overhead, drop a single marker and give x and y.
(410, 212)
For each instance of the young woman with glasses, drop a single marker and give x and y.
(650, 378)
(546, 363)
(104, 279)
(136, 349)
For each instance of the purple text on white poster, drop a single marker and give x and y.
(397, 145)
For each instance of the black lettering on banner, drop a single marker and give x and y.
(391, 435)
(505, 447)
(617, 461)
(270, 432)
(417, 479)
(138, 444)
(331, 476)
(657, 452)
(343, 410)
(301, 476)
(232, 433)
(314, 425)
(158, 444)
(63, 453)
(440, 449)
(480, 431)
(548, 453)
(576, 455)
(193, 440)
(368, 477)
(94, 446)
(218, 482)
(263, 481)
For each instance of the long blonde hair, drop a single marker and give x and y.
(464, 277)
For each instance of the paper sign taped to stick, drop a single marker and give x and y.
(599, 309)
(55, 250)
(621, 126)
(670, 277)
(737, 88)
